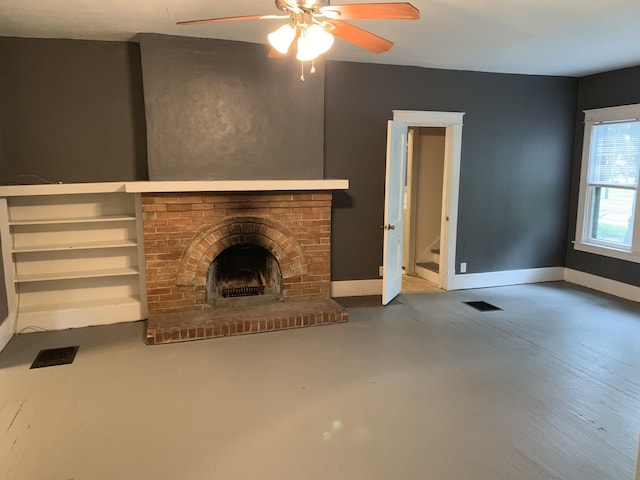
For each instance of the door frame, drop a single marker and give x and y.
(453, 122)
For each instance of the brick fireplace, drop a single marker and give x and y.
(186, 232)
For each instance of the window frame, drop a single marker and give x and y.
(582, 241)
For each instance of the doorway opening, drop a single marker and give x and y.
(423, 209)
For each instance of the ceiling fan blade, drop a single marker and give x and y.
(372, 11)
(358, 36)
(273, 53)
(232, 19)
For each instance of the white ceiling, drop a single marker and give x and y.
(547, 37)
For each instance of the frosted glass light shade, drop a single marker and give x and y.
(282, 38)
(322, 40)
(313, 42)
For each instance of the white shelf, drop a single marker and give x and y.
(61, 189)
(76, 246)
(44, 277)
(63, 221)
(236, 185)
(170, 186)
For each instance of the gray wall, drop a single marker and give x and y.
(74, 115)
(72, 111)
(609, 89)
(222, 110)
(515, 171)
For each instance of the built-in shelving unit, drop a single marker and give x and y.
(75, 257)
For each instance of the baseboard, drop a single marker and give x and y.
(604, 285)
(461, 282)
(637, 477)
(509, 277)
(78, 317)
(351, 288)
(7, 330)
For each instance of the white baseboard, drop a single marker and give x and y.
(637, 477)
(601, 284)
(509, 277)
(500, 279)
(79, 317)
(7, 330)
(461, 282)
(351, 288)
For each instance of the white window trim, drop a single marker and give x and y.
(591, 118)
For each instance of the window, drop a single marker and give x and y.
(608, 209)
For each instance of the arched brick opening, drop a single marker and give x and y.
(207, 245)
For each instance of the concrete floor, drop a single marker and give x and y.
(548, 388)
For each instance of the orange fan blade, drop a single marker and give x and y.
(373, 11)
(358, 36)
(231, 19)
(273, 53)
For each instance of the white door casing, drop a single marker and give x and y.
(394, 210)
(453, 149)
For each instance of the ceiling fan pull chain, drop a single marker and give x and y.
(302, 71)
(313, 66)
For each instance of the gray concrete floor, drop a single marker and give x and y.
(548, 388)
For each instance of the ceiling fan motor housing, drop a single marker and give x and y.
(304, 5)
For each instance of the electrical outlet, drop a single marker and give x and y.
(381, 270)
(463, 267)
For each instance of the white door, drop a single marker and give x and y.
(394, 210)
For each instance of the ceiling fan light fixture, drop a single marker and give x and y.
(315, 23)
(321, 39)
(313, 42)
(282, 38)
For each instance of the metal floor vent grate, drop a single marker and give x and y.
(55, 356)
(364, 301)
(483, 306)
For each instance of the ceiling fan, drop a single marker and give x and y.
(315, 23)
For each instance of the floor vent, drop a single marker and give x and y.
(55, 356)
(364, 301)
(483, 306)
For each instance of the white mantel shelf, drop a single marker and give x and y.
(236, 186)
(179, 186)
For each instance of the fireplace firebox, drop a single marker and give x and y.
(244, 275)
